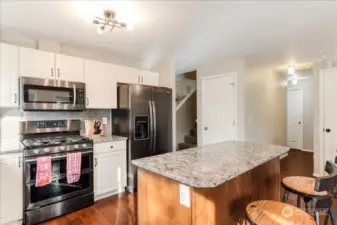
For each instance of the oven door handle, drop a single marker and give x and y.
(56, 157)
(74, 96)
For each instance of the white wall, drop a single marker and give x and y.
(261, 114)
(223, 67)
(308, 107)
(265, 105)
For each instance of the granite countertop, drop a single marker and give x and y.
(211, 165)
(109, 138)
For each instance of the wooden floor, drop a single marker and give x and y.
(120, 210)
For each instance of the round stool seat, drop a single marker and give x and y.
(302, 185)
(267, 212)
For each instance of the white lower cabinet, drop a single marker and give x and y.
(11, 188)
(109, 171)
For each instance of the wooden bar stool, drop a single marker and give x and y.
(267, 212)
(317, 193)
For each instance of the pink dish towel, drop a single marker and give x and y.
(43, 171)
(73, 167)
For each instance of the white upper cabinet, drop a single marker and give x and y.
(69, 68)
(101, 85)
(37, 63)
(11, 188)
(9, 75)
(127, 75)
(149, 78)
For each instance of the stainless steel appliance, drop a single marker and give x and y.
(55, 139)
(50, 94)
(145, 117)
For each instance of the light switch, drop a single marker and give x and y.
(185, 195)
(105, 120)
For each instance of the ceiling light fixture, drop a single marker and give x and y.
(291, 69)
(109, 21)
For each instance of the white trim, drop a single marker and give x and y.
(284, 155)
(321, 121)
(200, 120)
(316, 175)
(307, 150)
(302, 132)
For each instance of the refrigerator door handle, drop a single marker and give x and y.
(154, 126)
(151, 128)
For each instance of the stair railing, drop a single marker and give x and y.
(182, 102)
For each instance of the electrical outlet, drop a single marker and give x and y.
(105, 120)
(185, 195)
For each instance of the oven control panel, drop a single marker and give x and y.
(51, 124)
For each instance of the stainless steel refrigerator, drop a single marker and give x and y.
(144, 115)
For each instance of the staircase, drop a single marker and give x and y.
(186, 109)
(191, 139)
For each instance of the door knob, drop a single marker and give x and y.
(327, 130)
(205, 128)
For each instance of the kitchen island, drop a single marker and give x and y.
(209, 185)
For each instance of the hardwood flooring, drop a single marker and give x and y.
(121, 209)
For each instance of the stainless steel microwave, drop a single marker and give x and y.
(49, 94)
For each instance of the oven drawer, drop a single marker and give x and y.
(106, 147)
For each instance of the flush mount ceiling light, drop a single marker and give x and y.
(291, 69)
(108, 22)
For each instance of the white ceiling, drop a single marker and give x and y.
(192, 32)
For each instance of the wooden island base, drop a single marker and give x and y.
(159, 198)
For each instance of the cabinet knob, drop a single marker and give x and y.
(52, 72)
(205, 128)
(15, 98)
(87, 101)
(95, 162)
(328, 130)
(58, 72)
(111, 146)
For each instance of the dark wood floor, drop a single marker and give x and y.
(120, 210)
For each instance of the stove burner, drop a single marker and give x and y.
(51, 141)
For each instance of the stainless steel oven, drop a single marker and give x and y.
(51, 94)
(58, 189)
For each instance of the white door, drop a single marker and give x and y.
(9, 75)
(101, 85)
(329, 103)
(149, 78)
(36, 63)
(127, 75)
(69, 68)
(295, 118)
(11, 188)
(218, 109)
(109, 172)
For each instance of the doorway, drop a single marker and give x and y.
(328, 115)
(295, 118)
(218, 98)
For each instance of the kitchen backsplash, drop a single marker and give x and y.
(10, 118)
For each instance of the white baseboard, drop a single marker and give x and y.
(283, 156)
(307, 150)
(316, 174)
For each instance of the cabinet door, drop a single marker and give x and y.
(11, 198)
(101, 85)
(69, 68)
(36, 63)
(149, 78)
(109, 172)
(128, 75)
(9, 75)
